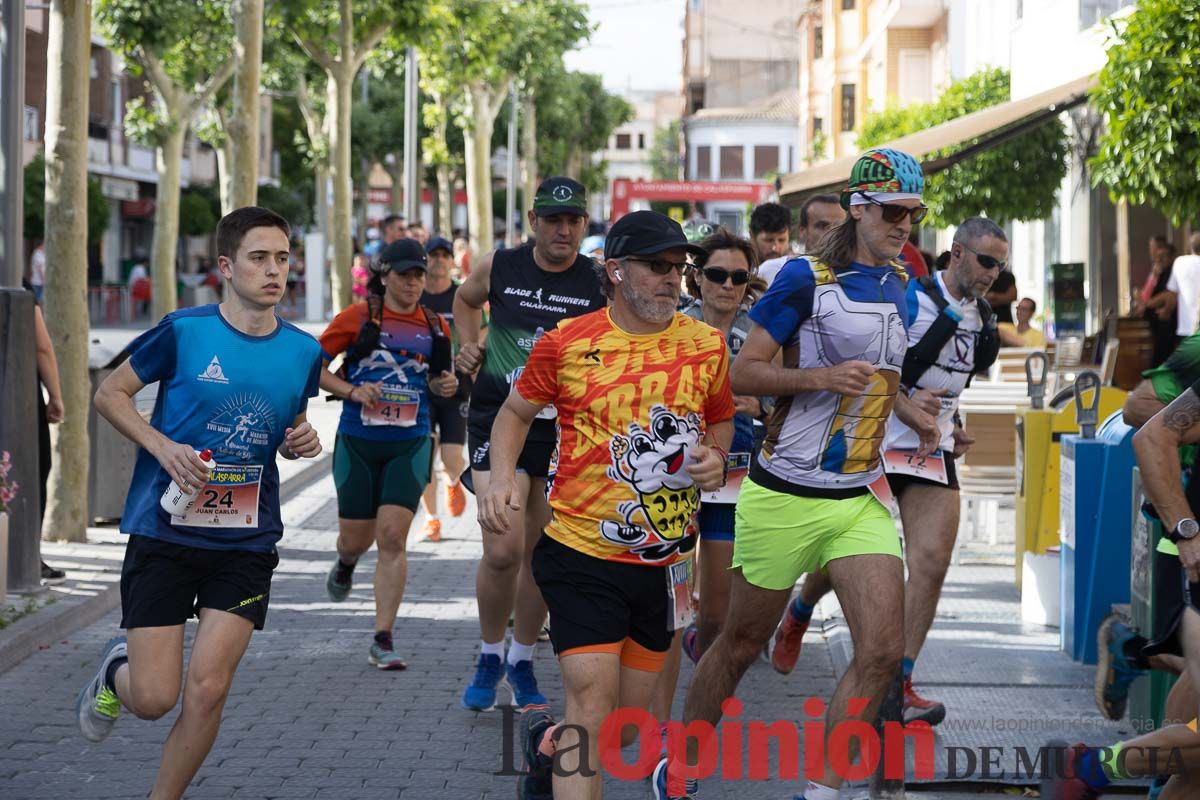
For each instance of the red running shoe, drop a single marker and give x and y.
(918, 708)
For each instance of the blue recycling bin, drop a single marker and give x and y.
(1095, 492)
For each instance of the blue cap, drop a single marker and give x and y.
(439, 243)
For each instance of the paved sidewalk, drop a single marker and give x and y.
(308, 718)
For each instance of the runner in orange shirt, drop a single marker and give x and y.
(645, 416)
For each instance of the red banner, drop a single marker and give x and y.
(625, 190)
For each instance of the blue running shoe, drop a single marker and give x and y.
(1114, 673)
(524, 685)
(658, 785)
(690, 634)
(481, 694)
(1157, 786)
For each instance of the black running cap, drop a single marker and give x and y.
(644, 233)
(403, 254)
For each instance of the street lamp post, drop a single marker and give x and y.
(18, 365)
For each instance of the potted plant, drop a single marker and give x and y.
(8, 493)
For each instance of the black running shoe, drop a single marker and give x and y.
(537, 783)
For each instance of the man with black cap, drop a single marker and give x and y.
(449, 414)
(397, 357)
(645, 417)
(528, 289)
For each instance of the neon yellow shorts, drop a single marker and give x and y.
(781, 536)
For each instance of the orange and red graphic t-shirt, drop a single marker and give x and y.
(630, 409)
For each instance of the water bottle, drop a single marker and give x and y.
(175, 501)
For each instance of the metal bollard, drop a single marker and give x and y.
(1087, 416)
(1037, 386)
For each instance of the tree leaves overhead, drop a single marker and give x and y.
(1149, 150)
(35, 204)
(1018, 180)
(576, 115)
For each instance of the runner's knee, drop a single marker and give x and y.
(206, 695)
(153, 701)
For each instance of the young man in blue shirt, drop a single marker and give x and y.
(234, 379)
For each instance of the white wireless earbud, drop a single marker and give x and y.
(617, 275)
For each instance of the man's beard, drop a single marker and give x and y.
(655, 310)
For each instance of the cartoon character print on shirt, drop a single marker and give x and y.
(652, 460)
(857, 429)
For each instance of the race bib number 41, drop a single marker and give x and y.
(228, 500)
(396, 406)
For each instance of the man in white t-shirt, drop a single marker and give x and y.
(926, 488)
(819, 213)
(1185, 286)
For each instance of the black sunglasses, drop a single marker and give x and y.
(986, 261)
(718, 276)
(659, 266)
(893, 212)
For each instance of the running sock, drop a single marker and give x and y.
(1090, 770)
(518, 652)
(384, 639)
(110, 674)
(906, 665)
(1110, 758)
(1132, 650)
(492, 649)
(801, 612)
(817, 791)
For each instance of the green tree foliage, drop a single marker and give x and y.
(576, 115)
(199, 211)
(665, 163)
(1149, 151)
(35, 204)
(1017, 180)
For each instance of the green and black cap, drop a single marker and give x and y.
(560, 195)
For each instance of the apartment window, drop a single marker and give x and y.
(766, 160)
(848, 121)
(818, 126)
(117, 104)
(1020, 8)
(819, 41)
(847, 5)
(703, 163)
(623, 141)
(732, 168)
(641, 141)
(31, 124)
(1093, 11)
(93, 69)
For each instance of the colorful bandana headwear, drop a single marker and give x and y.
(884, 171)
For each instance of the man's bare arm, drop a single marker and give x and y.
(1157, 448)
(1141, 404)
(469, 301)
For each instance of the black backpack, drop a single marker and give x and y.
(924, 354)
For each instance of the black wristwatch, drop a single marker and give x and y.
(1186, 529)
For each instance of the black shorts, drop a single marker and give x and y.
(448, 419)
(1172, 595)
(901, 482)
(534, 459)
(593, 601)
(163, 583)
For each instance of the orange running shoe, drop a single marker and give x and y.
(789, 638)
(456, 499)
(432, 531)
(917, 707)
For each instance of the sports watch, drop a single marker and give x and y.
(1186, 529)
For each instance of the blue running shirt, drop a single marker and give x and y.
(231, 393)
(400, 363)
(821, 439)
